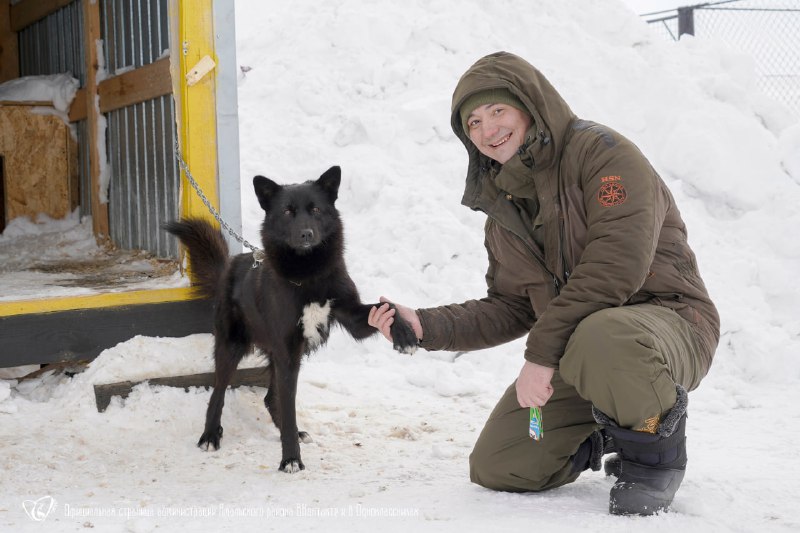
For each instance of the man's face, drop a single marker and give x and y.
(498, 130)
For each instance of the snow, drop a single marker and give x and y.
(56, 89)
(368, 88)
(59, 89)
(47, 258)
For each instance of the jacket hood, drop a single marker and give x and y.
(551, 114)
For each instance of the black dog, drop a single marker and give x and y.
(286, 305)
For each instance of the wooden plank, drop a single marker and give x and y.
(69, 368)
(139, 85)
(97, 301)
(29, 103)
(91, 28)
(82, 334)
(40, 162)
(27, 12)
(9, 45)
(243, 377)
(197, 120)
(77, 111)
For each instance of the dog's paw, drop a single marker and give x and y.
(304, 437)
(210, 439)
(291, 466)
(403, 337)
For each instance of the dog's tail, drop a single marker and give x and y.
(208, 251)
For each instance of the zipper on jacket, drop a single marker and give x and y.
(561, 248)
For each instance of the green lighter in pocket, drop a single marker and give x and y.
(535, 427)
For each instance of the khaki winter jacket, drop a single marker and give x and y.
(578, 221)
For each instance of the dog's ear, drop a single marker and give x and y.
(329, 182)
(265, 190)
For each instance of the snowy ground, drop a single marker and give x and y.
(46, 258)
(368, 88)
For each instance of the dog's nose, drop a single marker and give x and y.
(307, 235)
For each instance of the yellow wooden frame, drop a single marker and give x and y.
(198, 141)
(95, 301)
(197, 118)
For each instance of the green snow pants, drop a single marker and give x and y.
(624, 360)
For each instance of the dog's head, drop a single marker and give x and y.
(300, 216)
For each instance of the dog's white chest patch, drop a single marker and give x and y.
(314, 322)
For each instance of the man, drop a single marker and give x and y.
(587, 256)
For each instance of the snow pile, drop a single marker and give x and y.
(57, 88)
(25, 241)
(48, 258)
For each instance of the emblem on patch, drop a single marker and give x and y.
(612, 193)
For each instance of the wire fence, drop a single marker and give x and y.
(767, 30)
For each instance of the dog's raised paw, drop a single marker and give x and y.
(210, 439)
(404, 340)
(408, 349)
(291, 466)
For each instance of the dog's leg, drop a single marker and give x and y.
(271, 399)
(287, 368)
(272, 403)
(226, 359)
(354, 320)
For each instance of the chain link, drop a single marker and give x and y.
(258, 253)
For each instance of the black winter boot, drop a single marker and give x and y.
(590, 453)
(652, 466)
(613, 465)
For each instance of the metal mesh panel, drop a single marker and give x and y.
(767, 30)
(54, 44)
(145, 176)
(136, 32)
(666, 27)
(771, 35)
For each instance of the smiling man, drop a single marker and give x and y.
(496, 122)
(588, 257)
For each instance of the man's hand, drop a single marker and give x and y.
(533, 385)
(382, 318)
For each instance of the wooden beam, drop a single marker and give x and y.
(197, 122)
(97, 301)
(135, 86)
(82, 334)
(77, 111)
(31, 103)
(91, 28)
(9, 45)
(243, 377)
(27, 12)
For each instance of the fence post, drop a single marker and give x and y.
(685, 20)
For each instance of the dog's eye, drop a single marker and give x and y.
(315, 210)
(287, 212)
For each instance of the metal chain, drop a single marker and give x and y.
(258, 253)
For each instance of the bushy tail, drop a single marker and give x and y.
(208, 251)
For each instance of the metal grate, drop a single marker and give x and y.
(767, 30)
(136, 33)
(145, 176)
(54, 44)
